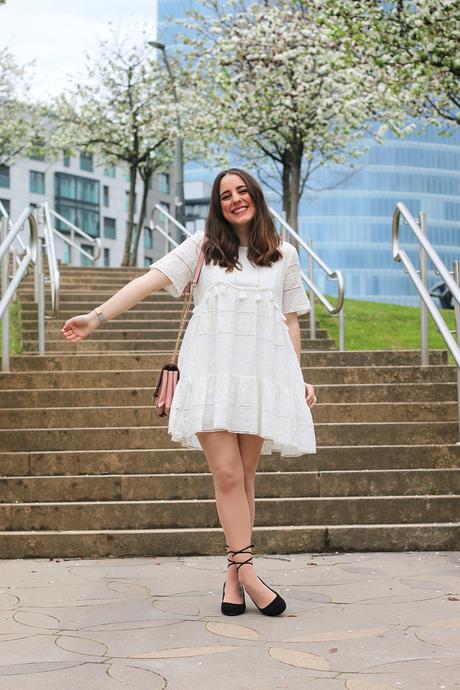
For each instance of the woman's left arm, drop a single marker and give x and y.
(292, 322)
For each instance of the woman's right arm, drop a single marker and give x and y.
(78, 327)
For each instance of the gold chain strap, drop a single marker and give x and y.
(185, 310)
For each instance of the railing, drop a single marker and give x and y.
(169, 219)
(42, 238)
(419, 279)
(45, 215)
(308, 279)
(9, 233)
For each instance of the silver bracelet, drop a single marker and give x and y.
(100, 315)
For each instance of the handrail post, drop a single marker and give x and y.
(40, 286)
(342, 330)
(4, 287)
(423, 307)
(312, 294)
(457, 332)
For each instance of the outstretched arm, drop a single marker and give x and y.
(130, 294)
(78, 327)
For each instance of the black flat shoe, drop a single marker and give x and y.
(227, 607)
(275, 607)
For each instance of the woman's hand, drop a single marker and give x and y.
(310, 394)
(79, 327)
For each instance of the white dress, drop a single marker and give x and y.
(238, 367)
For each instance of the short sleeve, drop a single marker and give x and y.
(294, 295)
(180, 263)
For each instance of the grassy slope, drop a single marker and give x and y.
(15, 328)
(376, 326)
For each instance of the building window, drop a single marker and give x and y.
(36, 156)
(86, 162)
(77, 199)
(6, 205)
(84, 261)
(106, 196)
(166, 206)
(66, 252)
(110, 228)
(66, 161)
(148, 238)
(106, 256)
(164, 183)
(147, 261)
(4, 176)
(36, 182)
(109, 171)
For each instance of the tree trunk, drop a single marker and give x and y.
(141, 218)
(129, 229)
(286, 191)
(296, 155)
(292, 168)
(294, 193)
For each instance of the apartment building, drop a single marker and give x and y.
(93, 197)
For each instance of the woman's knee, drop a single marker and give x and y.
(224, 459)
(228, 476)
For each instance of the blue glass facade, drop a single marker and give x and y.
(349, 218)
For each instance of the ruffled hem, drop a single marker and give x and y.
(246, 405)
(269, 446)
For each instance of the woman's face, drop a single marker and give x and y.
(236, 204)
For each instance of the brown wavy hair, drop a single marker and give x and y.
(221, 242)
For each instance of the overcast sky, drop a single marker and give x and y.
(57, 32)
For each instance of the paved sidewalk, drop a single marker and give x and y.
(358, 621)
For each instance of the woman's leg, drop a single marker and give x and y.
(223, 454)
(250, 449)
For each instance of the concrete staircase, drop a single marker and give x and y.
(88, 468)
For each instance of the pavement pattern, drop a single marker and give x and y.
(354, 621)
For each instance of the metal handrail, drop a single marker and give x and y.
(31, 254)
(75, 229)
(308, 280)
(158, 208)
(49, 232)
(419, 280)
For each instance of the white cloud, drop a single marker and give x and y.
(57, 33)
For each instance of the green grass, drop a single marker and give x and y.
(376, 326)
(15, 328)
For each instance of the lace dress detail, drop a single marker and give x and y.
(238, 367)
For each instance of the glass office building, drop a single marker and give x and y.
(349, 217)
(350, 223)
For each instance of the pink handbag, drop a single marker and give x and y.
(169, 376)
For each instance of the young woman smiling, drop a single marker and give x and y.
(241, 392)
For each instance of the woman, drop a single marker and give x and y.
(241, 392)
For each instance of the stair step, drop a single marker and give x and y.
(410, 359)
(102, 346)
(157, 436)
(141, 414)
(174, 514)
(66, 396)
(184, 460)
(133, 330)
(206, 542)
(175, 486)
(98, 378)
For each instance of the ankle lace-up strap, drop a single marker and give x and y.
(238, 563)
